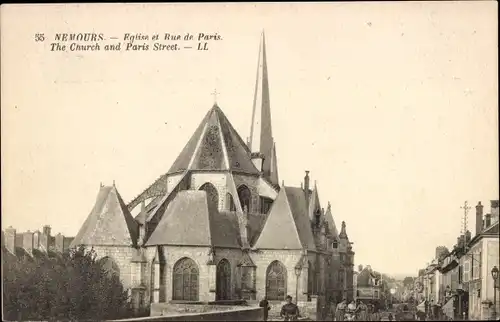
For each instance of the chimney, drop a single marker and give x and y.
(479, 218)
(46, 230)
(487, 220)
(36, 239)
(10, 239)
(468, 236)
(494, 211)
(28, 241)
(59, 243)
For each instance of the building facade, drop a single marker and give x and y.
(481, 255)
(219, 225)
(41, 241)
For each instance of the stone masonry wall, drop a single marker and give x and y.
(252, 183)
(217, 179)
(289, 258)
(233, 256)
(122, 257)
(200, 256)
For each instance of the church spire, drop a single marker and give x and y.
(261, 141)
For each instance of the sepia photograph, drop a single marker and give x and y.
(331, 161)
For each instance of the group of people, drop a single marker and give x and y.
(353, 311)
(342, 311)
(289, 311)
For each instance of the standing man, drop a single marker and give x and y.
(265, 304)
(341, 308)
(333, 308)
(289, 311)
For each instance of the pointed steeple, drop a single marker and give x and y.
(343, 233)
(261, 141)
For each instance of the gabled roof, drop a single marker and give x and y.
(287, 217)
(109, 222)
(246, 260)
(215, 145)
(364, 277)
(332, 228)
(314, 204)
(188, 220)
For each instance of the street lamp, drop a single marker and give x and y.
(494, 274)
(298, 270)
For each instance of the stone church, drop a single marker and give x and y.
(218, 225)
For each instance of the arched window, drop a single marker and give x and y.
(230, 202)
(110, 267)
(212, 195)
(223, 286)
(245, 197)
(276, 279)
(185, 280)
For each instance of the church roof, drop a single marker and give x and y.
(109, 222)
(287, 217)
(188, 220)
(215, 145)
(314, 204)
(332, 228)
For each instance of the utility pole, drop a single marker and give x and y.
(466, 209)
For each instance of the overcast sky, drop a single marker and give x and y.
(392, 107)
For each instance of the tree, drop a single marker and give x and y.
(408, 281)
(70, 286)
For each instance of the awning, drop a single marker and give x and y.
(449, 267)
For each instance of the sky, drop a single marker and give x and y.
(391, 106)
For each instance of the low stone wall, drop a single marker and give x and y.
(308, 309)
(230, 314)
(163, 309)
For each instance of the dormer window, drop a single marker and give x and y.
(335, 244)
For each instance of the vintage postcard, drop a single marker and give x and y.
(250, 161)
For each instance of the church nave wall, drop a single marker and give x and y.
(218, 180)
(252, 184)
(289, 258)
(122, 256)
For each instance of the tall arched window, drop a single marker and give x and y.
(185, 280)
(276, 279)
(212, 195)
(245, 197)
(110, 267)
(230, 202)
(223, 286)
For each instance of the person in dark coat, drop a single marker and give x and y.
(265, 304)
(290, 311)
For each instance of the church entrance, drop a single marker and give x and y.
(185, 280)
(223, 286)
(276, 280)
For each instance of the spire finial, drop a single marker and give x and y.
(214, 93)
(114, 183)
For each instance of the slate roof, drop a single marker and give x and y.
(188, 220)
(332, 228)
(287, 217)
(109, 222)
(314, 204)
(215, 145)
